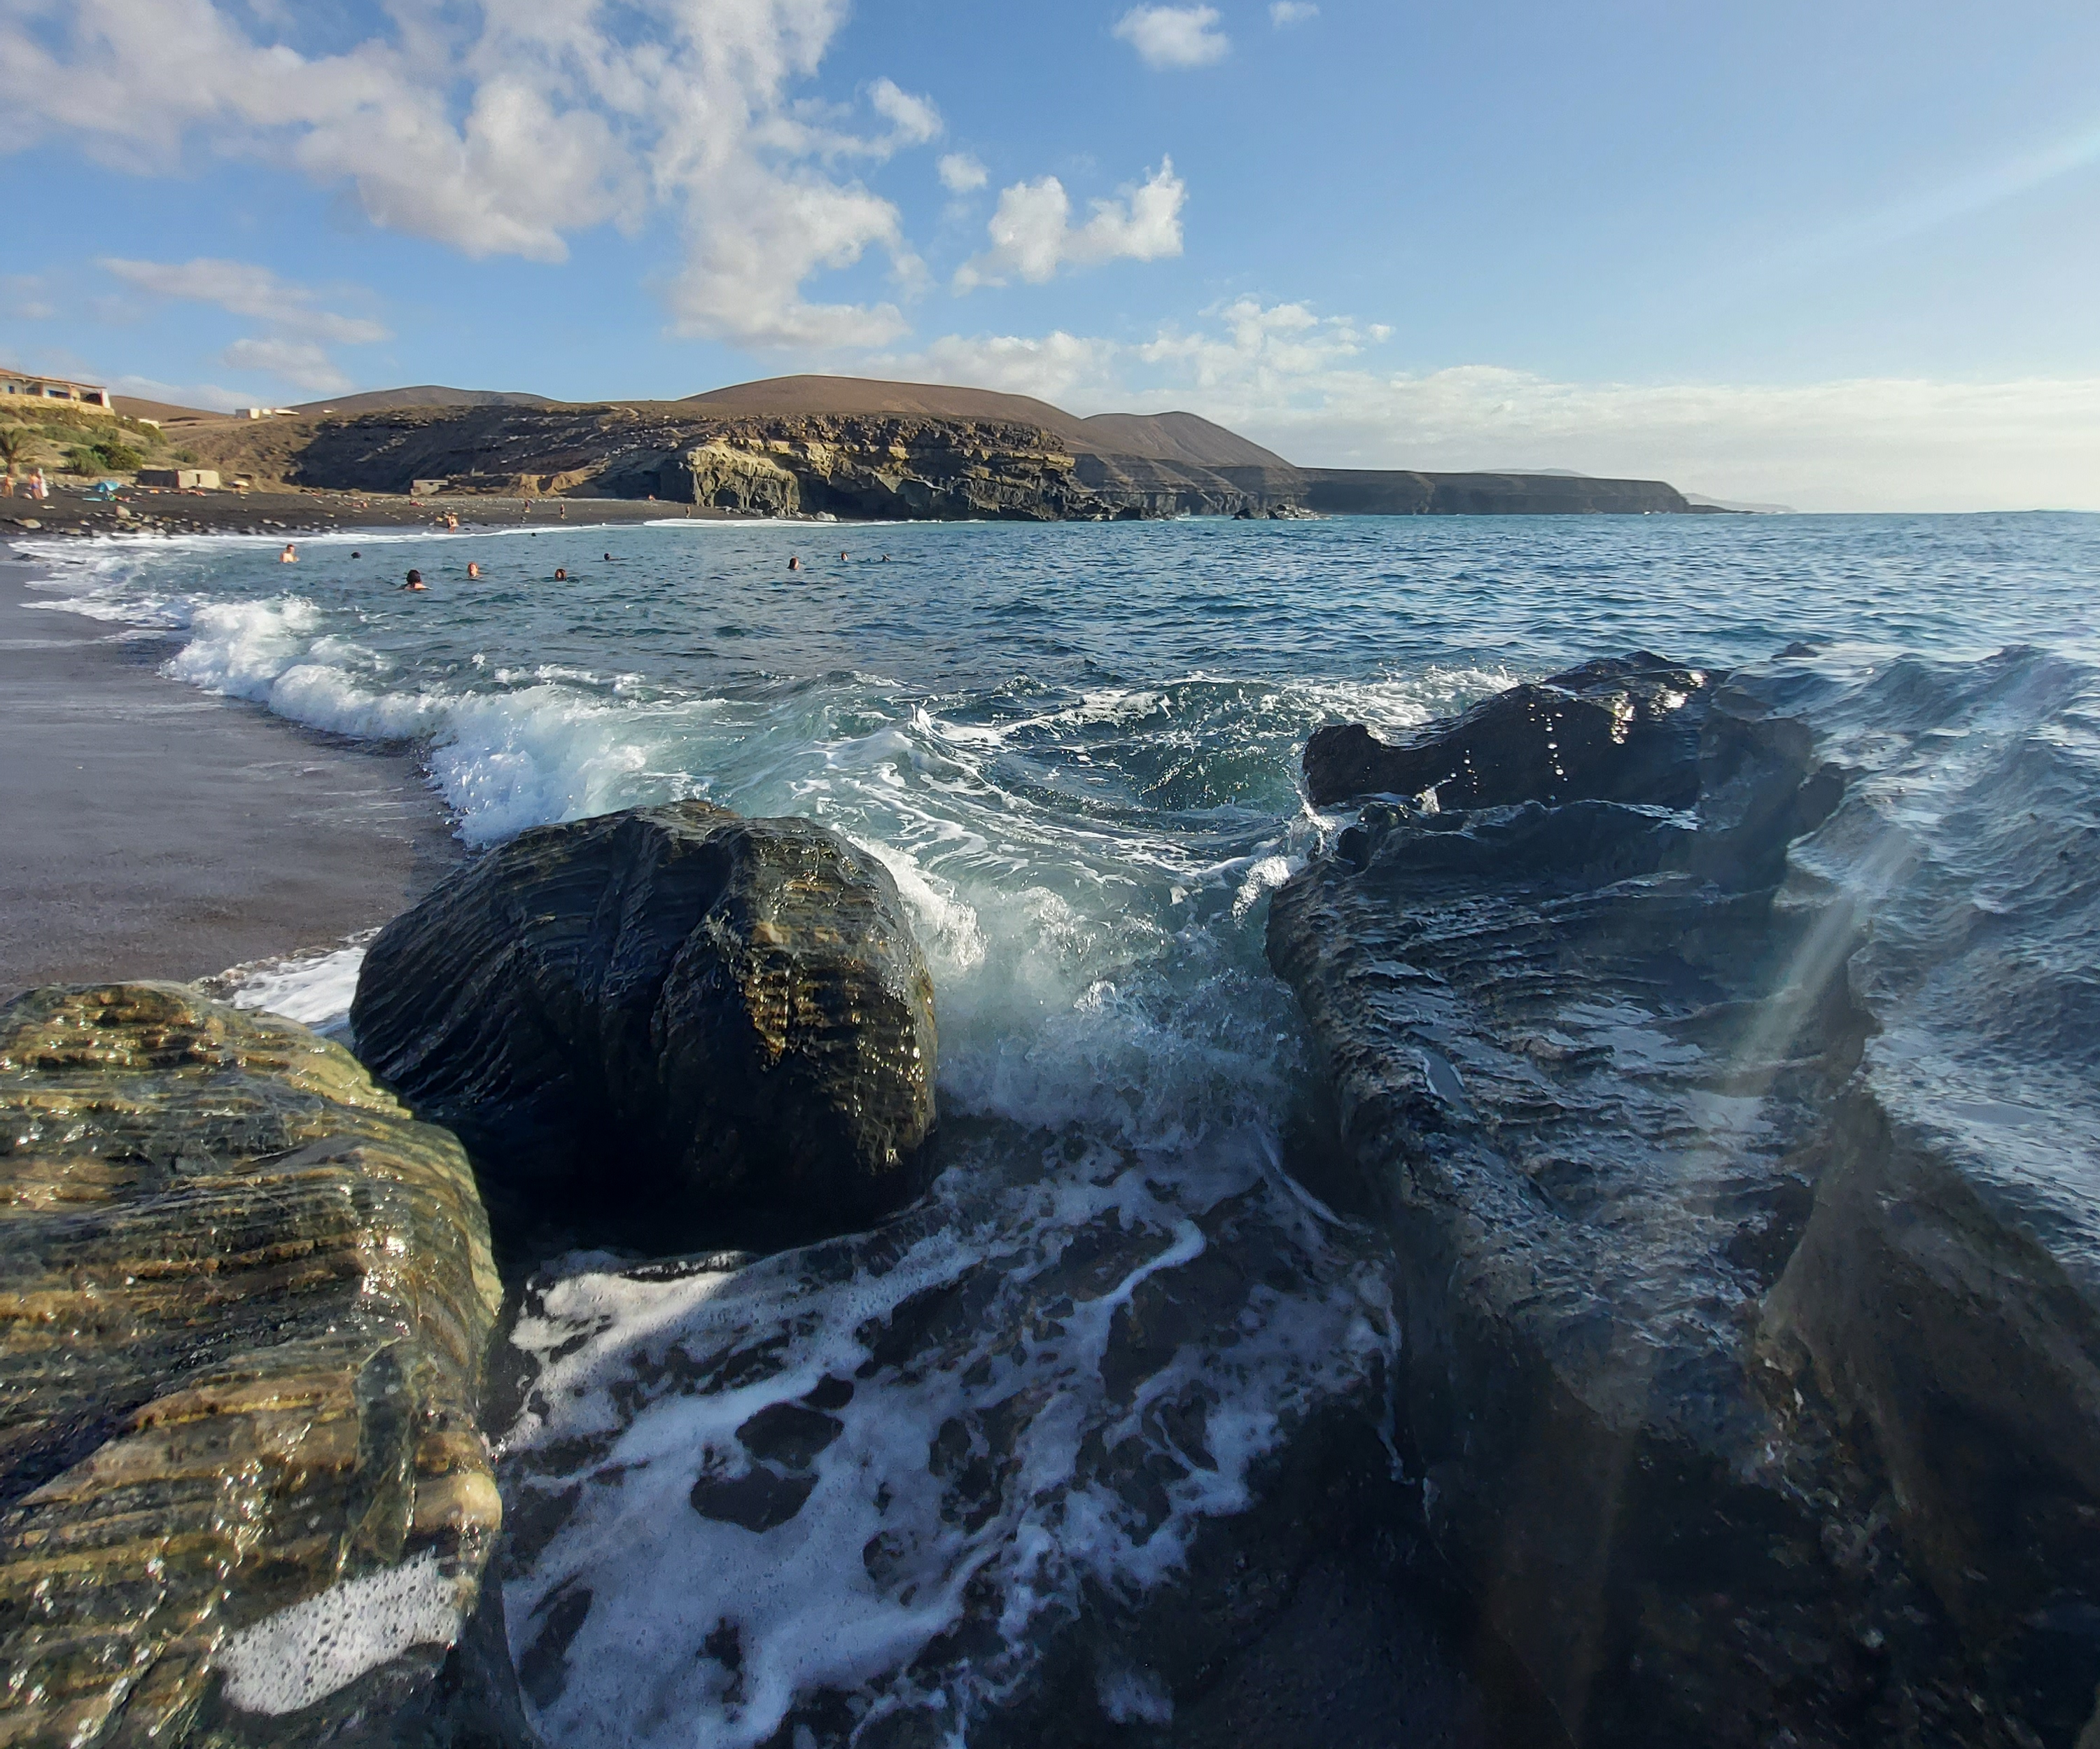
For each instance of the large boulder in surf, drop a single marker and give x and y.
(1744, 1170)
(656, 1015)
(244, 1299)
(1620, 729)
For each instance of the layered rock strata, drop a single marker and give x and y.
(901, 463)
(244, 1299)
(661, 1012)
(1740, 1162)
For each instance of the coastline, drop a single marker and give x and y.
(156, 832)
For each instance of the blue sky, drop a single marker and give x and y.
(1840, 256)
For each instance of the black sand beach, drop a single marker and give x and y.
(154, 831)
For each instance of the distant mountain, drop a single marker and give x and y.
(424, 395)
(166, 412)
(1732, 504)
(1180, 437)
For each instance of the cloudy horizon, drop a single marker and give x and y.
(1845, 281)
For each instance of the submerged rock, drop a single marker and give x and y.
(1074, 1453)
(1744, 1170)
(660, 1013)
(1619, 729)
(244, 1299)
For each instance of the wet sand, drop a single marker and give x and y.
(148, 830)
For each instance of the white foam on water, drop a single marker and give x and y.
(315, 989)
(985, 1467)
(311, 1650)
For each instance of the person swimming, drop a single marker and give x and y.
(415, 582)
(794, 562)
(473, 570)
(608, 558)
(289, 556)
(561, 576)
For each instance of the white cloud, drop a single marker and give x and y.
(26, 297)
(1303, 384)
(1033, 236)
(300, 330)
(243, 289)
(1284, 13)
(506, 127)
(302, 363)
(1054, 368)
(915, 119)
(961, 174)
(1174, 36)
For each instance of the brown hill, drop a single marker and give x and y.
(1180, 437)
(423, 394)
(166, 412)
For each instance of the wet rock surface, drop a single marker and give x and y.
(1619, 729)
(243, 1302)
(1073, 1452)
(638, 1021)
(1741, 1164)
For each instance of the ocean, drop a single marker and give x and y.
(1075, 746)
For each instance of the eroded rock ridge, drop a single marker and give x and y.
(1731, 1101)
(243, 1300)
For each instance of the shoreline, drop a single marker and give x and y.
(156, 832)
(289, 513)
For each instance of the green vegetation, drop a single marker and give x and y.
(13, 447)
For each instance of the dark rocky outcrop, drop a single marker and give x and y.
(1619, 729)
(244, 1299)
(662, 1013)
(830, 446)
(1078, 1451)
(1739, 1166)
(1378, 491)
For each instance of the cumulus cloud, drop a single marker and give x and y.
(1033, 236)
(1055, 367)
(506, 127)
(914, 121)
(961, 174)
(1283, 14)
(302, 363)
(1174, 36)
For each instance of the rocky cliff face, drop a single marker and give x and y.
(1735, 1126)
(855, 466)
(243, 1299)
(1367, 492)
(887, 465)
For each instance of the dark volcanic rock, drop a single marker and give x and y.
(1740, 1166)
(1077, 1452)
(1619, 729)
(244, 1299)
(663, 1012)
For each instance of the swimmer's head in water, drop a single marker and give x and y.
(560, 575)
(414, 577)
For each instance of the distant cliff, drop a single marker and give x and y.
(815, 445)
